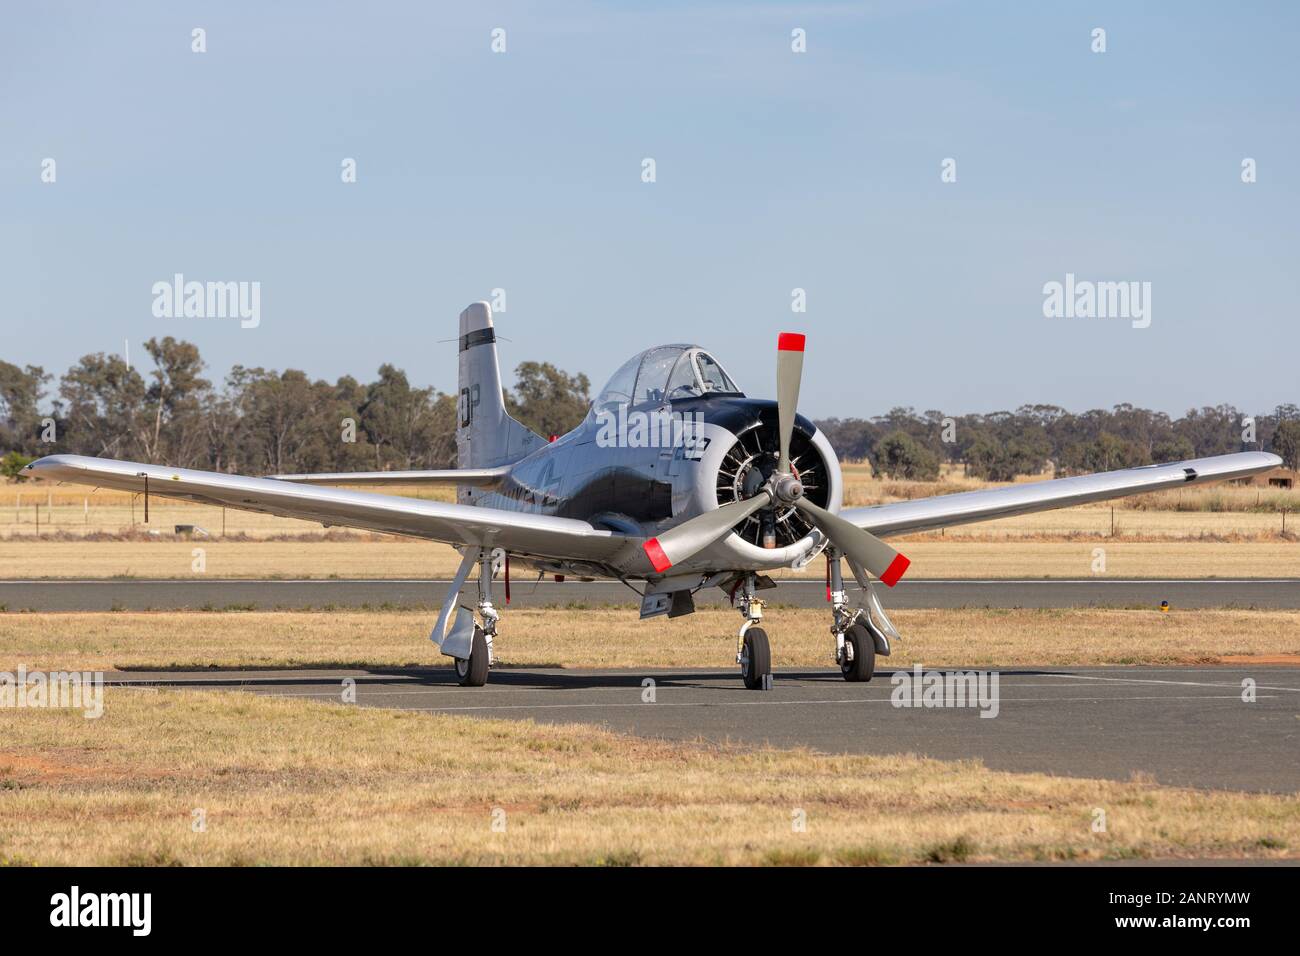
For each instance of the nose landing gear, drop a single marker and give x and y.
(753, 651)
(756, 660)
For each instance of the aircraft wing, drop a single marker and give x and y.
(478, 477)
(925, 514)
(518, 532)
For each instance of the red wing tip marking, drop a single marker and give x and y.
(790, 342)
(895, 570)
(656, 555)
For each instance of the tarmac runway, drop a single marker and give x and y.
(1181, 726)
(215, 594)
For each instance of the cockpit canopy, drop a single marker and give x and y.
(665, 374)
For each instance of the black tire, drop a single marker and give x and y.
(859, 662)
(474, 672)
(757, 662)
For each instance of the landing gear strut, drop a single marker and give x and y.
(472, 671)
(860, 632)
(849, 649)
(753, 651)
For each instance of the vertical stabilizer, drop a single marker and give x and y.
(486, 436)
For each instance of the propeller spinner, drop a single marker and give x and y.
(781, 490)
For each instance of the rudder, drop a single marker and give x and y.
(486, 435)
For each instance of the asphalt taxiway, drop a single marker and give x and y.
(1180, 726)
(215, 594)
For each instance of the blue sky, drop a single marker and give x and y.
(775, 170)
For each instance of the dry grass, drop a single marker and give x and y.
(1094, 522)
(80, 510)
(934, 557)
(611, 637)
(296, 782)
(389, 557)
(861, 487)
(380, 557)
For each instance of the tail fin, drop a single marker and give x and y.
(486, 436)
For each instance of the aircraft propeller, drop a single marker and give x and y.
(783, 489)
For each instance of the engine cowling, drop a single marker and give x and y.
(750, 462)
(737, 459)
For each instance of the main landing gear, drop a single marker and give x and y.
(860, 632)
(472, 671)
(469, 642)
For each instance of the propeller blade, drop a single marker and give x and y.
(789, 372)
(859, 546)
(679, 543)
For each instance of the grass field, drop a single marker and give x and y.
(206, 778)
(610, 637)
(390, 557)
(281, 781)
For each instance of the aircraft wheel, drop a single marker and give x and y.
(859, 662)
(474, 671)
(756, 658)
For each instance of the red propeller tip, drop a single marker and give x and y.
(790, 342)
(656, 555)
(895, 570)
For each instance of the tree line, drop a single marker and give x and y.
(257, 421)
(1002, 445)
(264, 421)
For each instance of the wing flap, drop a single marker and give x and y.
(519, 532)
(943, 511)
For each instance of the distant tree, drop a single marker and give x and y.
(105, 402)
(269, 421)
(12, 464)
(898, 455)
(1212, 431)
(281, 425)
(20, 394)
(405, 424)
(221, 427)
(548, 400)
(994, 460)
(1266, 424)
(347, 395)
(852, 438)
(1286, 442)
(1106, 452)
(1177, 448)
(173, 431)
